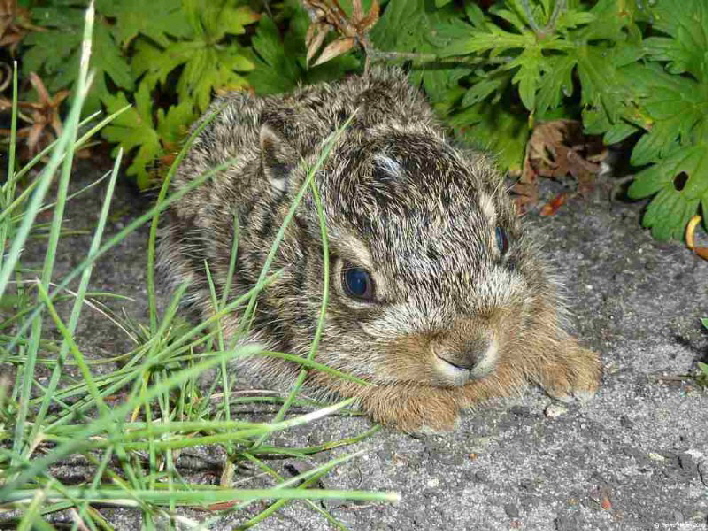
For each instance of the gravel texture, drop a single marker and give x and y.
(633, 458)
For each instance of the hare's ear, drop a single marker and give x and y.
(278, 158)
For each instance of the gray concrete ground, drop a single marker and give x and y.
(634, 458)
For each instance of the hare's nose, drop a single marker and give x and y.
(467, 355)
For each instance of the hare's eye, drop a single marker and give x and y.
(357, 283)
(502, 240)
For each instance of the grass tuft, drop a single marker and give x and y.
(130, 425)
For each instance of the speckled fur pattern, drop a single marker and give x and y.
(399, 201)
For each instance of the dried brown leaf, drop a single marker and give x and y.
(702, 252)
(15, 23)
(328, 15)
(550, 208)
(557, 149)
(690, 238)
(370, 20)
(335, 48)
(43, 118)
(357, 10)
(316, 42)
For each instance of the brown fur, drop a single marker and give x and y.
(400, 202)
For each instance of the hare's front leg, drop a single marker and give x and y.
(565, 370)
(411, 407)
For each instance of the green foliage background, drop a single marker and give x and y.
(628, 68)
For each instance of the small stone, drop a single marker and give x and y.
(511, 510)
(555, 410)
(625, 422)
(656, 457)
(432, 483)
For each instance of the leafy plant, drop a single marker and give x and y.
(281, 53)
(671, 89)
(625, 67)
(630, 70)
(168, 65)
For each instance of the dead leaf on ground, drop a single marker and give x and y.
(557, 149)
(550, 208)
(15, 23)
(328, 15)
(690, 238)
(42, 116)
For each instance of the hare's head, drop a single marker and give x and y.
(430, 277)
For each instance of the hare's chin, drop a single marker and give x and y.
(450, 374)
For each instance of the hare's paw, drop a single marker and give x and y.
(573, 375)
(409, 410)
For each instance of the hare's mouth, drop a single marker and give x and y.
(459, 370)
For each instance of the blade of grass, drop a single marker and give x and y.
(81, 440)
(78, 356)
(325, 279)
(64, 146)
(200, 498)
(26, 193)
(275, 506)
(76, 311)
(152, 236)
(8, 190)
(118, 237)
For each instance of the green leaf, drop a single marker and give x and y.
(668, 214)
(107, 61)
(513, 13)
(63, 38)
(686, 23)
(556, 82)
(276, 67)
(703, 366)
(482, 88)
(496, 129)
(205, 68)
(207, 60)
(227, 18)
(618, 132)
(134, 131)
(693, 161)
(602, 86)
(676, 107)
(417, 26)
(52, 67)
(134, 17)
(528, 75)
(173, 126)
(476, 15)
(675, 204)
(611, 18)
(496, 39)
(571, 19)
